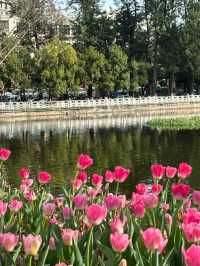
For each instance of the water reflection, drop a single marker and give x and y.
(54, 146)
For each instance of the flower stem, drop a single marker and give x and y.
(30, 261)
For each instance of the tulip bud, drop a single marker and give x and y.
(123, 262)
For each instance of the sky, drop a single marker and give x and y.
(108, 3)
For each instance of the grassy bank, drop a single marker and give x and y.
(175, 123)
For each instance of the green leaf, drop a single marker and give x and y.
(167, 257)
(44, 256)
(108, 252)
(78, 254)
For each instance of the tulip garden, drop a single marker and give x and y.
(92, 223)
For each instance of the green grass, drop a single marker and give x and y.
(175, 123)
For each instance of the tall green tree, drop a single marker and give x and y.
(57, 65)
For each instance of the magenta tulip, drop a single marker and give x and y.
(83, 176)
(180, 191)
(191, 232)
(192, 255)
(4, 154)
(191, 216)
(80, 201)
(168, 219)
(96, 214)
(150, 200)
(24, 172)
(196, 197)
(171, 171)
(97, 180)
(141, 188)
(84, 161)
(121, 174)
(77, 184)
(157, 188)
(157, 171)
(44, 177)
(184, 170)
(119, 242)
(115, 202)
(93, 192)
(109, 176)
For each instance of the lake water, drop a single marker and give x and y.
(53, 146)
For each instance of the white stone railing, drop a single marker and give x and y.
(91, 103)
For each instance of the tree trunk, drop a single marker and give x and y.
(191, 83)
(155, 67)
(172, 83)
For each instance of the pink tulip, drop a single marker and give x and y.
(109, 176)
(62, 264)
(157, 171)
(187, 204)
(9, 241)
(115, 202)
(123, 262)
(3, 208)
(52, 243)
(48, 209)
(121, 174)
(117, 225)
(184, 170)
(68, 236)
(192, 255)
(29, 195)
(150, 200)
(96, 214)
(97, 180)
(67, 213)
(44, 177)
(24, 172)
(157, 188)
(32, 244)
(196, 197)
(171, 171)
(191, 232)
(138, 209)
(92, 193)
(137, 205)
(27, 182)
(119, 242)
(168, 219)
(77, 184)
(191, 216)
(4, 154)
(53, 220)
(84, 161)
(80, 201)
(153, 239)
(15, 205)
(180, 191)
(141, 188)
(83, 176)
(165, 207)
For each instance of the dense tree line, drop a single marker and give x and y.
(140, 43)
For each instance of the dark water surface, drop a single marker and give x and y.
(54, 146)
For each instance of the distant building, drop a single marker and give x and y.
(8, 24)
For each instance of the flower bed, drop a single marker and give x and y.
(88, 225)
